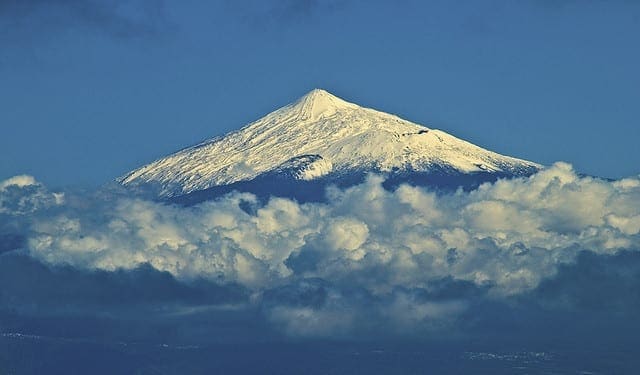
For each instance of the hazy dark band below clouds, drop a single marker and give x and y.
(520, 257)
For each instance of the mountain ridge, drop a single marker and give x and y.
(317, 136)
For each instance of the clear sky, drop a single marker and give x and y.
(90, 89)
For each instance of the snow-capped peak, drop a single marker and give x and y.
(318, 135)
(317, 103)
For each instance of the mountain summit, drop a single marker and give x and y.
(321, 136)
(317, 103)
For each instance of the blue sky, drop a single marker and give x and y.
(91, 89)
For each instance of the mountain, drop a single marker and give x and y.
(321, 139)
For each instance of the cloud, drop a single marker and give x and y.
(304, 8)
(285, 13)
(561, 4)
(70, 288)
(370, 261)
(20, 195)
(595, 283)
(121, 19)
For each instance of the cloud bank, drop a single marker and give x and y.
(404, 262)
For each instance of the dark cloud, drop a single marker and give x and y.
(596, 292)
(28, 284)
(285, 13)
(124, 305)
(595, 282)
(32, 19)
(304, 8)
(573, 4)
(57, 319)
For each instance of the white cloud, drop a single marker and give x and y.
(407, 234)
(20, 195)
(18, 181)
(511, 234)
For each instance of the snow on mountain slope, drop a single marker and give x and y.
(318, 135)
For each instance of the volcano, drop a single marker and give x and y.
(318, 140)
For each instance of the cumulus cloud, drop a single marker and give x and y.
(406, 261)
(20, 195)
